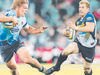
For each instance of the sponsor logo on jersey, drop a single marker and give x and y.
(89, 18)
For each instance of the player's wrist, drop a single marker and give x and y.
(11, 19)
(41, 30)
(76, 28)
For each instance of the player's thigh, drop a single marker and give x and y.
(71, 49)
(24, 54)
(12, 63)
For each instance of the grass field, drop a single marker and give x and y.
(68, 69)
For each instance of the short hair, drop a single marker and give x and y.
(85, 2)
(18, 3)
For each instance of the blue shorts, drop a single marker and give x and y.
(7, 51)
(87, 53)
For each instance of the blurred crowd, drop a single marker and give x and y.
(47, 46)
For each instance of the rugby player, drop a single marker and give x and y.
(11, 23)
(84, 42)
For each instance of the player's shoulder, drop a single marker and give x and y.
(89, 16)
(9, 12)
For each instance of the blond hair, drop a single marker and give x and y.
(17, 3)
(85, 2)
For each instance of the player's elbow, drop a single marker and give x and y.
(91, 29)
(1, 20)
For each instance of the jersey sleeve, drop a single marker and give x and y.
(90, 18)
(5, 12)
(9, 13)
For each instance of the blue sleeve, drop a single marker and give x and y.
(90, 18)
(9, 13)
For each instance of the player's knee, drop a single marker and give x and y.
(66, 52)
(87, 69)
(12, 66)
(25, 61)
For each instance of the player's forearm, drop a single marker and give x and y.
(5, 19)
(36, 31)
(84, 29)
(32, 30)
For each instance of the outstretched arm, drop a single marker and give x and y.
(32, 30)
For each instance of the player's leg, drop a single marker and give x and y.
(11, 64)
(87, 68)
(70, 49)
(88, 55)
(26, 58)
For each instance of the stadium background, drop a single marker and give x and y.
(47, 46)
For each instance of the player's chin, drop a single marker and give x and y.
(22, 15)
(80, 14)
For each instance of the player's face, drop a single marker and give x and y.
(83, 9)
(22, 9)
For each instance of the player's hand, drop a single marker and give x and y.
(43, 28)
(71, 25)
(66, 33)
(14, 21)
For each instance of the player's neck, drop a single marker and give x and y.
(84, 14)
(16, 10)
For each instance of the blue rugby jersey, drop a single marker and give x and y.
(11, 34)
(87, 39)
